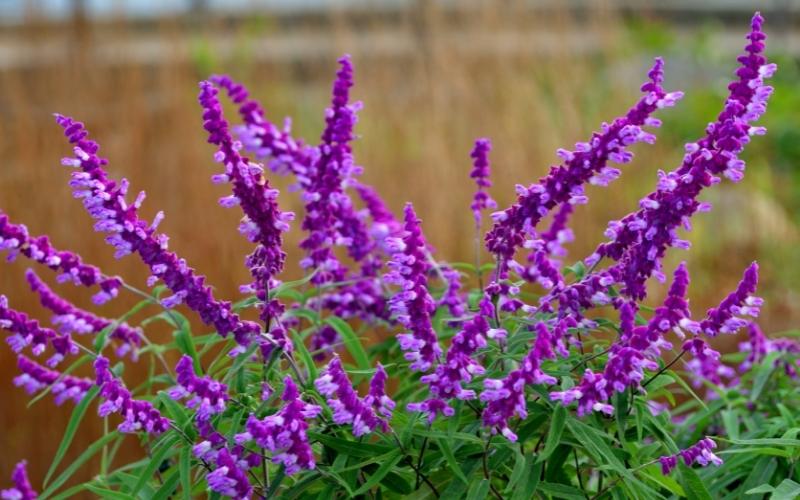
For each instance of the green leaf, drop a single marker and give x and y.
(176, 411)
(730, 419)
(397, 483)
(591, 439)
(558, 490)
(691, 483)
(74, 466)
(787, 490)
(350, 448)
(186, 473)
(452, 463)
(479, 490)
(168, 488)
(764, 488)
(762, 374)
(185, 342)
(555, 432)
(350, 341)
(300, 348)
(161, 452)
(526, 488)
(107, 493)
(69, 433)
(379, 474)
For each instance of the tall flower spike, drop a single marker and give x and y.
(34, 377)
(381, 403)
(105, 201)
(451, 296)
(264, 222)
(284, 433)
(640, 239)
(208, 396)
(481, 172)
(229, 479)
(15, 239)
(506, 397)
(27, 332)
(22, 489)
(699, 452)
(413, 306)
(587, 163)
(72, 319)
(347, 406)
(138, 415)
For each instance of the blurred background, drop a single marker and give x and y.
(434, 75)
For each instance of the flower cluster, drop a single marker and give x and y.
(72, 319)
(412, 307)
(284, 433)
(34, 377)
(22, 489)
(759, 346)
(28, 332)
(699, 452)
(138, 415)
(208, 396)
(347, 406)
(481, 172)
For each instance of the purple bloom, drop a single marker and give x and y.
(481, 172)
(16, 240)
(384, 223)
(347, 407)
(264, 223)
(758, 346)
(376, 398)
(587, 163)
(413, 305)
(35, 377)
(208, 395)
(640, 239)
(105, 201)
(138, 415)
(27, 332)
(699, 453)
(506, 397)
(741, 302)
(229, 478)
(22, 489)
(284, 433)
(71, 319)
(324, 342)
(451, 296)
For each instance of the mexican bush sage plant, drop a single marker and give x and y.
(535, 379)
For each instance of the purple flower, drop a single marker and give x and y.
(229, 478)
(506, 397)
(347, 407)
(706, 363)
(138, 415)
(481, 171)
(71, 319)
(35, 377)
(22, 489)
(27, 332)
(384, 223)
(208, 395)
(324, 342)
(741, 302)
(587, 163)
(699, 453)
(640, 239)
(376, 398)
(105, 201)
(758, 346)
(16, 240)
(264, 223)
(451, 296)
(284, 433)
(413, 305)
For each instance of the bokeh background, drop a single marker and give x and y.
(433, 75)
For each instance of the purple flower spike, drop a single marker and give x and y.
(413, 306)
(452, 297)
(324, 342)
(384, 223)
(35, 377)
(16, 240)
(706, 363)
(284, 433)
(758, 346)
(506, 397)
(481, 172)
(376, 398)
(208, 395)
(229, 478)
(138, 415)
(698, 453)
(27, 332)
(587, 163)
(347, 407)
(741, 302)
(264, 222)
(22, 489)
(105, 201)
(71, 319)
